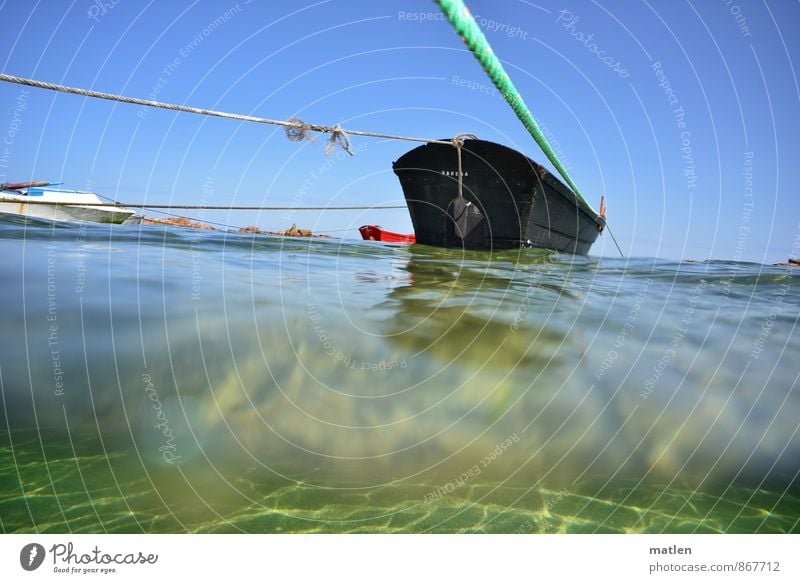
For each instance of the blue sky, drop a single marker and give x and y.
(708, 170)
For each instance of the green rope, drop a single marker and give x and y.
(459, 16)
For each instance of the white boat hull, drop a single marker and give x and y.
(19, 204)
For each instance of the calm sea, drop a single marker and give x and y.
(172, 380)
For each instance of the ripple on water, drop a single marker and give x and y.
(343, 386)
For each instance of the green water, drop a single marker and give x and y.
(170, 380)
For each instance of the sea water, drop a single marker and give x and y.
(158, 379)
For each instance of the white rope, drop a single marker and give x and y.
(339, 135)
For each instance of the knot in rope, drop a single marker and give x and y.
(458, 139)
(297, 130)
(338, 136)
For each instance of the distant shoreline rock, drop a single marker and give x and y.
(292, 231)
(790, 263)
(177, 222)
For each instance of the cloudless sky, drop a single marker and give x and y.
(717, 181)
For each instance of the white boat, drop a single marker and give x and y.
(29, 199)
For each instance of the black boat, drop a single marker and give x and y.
(505, 200)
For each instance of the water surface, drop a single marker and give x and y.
(170, 380)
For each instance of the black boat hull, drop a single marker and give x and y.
(508, 200)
